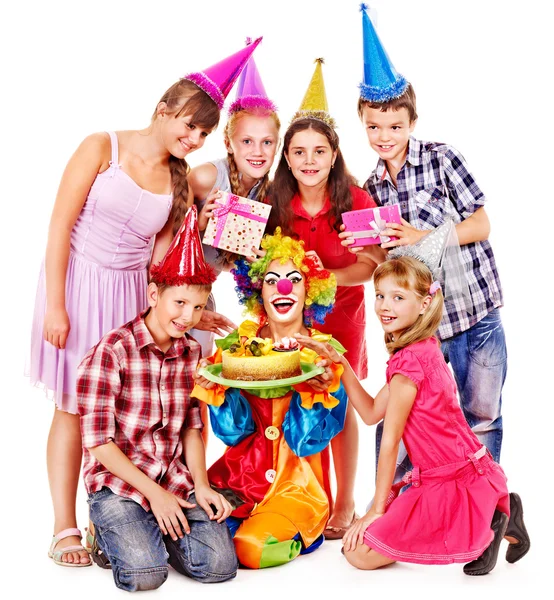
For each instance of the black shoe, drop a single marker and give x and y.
(98, 556)
(516, 529)
(487, 561)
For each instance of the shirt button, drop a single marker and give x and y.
(157, 436)
(163, 386)
(272, 433)
(270, 475)
(313, 228)
(416, 483)
(480, 471)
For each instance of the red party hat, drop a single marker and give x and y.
(184, 261)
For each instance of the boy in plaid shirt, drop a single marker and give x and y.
(144, 460)
(431, 182)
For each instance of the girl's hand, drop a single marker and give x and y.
(406, 234)
(375, 252)
(215, 322)
(168, 510)
(56, 327)
(199, 379)
(259, 253)
(355, 535)
(322, 348)
(313, 254)
(209, 499)
(208, 209)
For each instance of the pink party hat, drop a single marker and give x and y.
(218, 80)
(251, 92)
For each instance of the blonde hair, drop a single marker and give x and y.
(228, 132)
(413, 275)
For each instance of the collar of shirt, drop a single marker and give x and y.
(300, 211)
(416, 156)
(144, 338)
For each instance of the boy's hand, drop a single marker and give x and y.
(208, 209)
(406, 234)
(215, 322)
(199, 379)
(209, 499)
(168, 510)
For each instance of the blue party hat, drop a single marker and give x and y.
(381, 80)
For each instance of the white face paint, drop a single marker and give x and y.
(283, 308)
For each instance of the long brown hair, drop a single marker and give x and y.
(411, 274)
(285, 186)
(234, 175)
(186, 98)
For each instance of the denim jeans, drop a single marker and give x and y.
(478, 359)
(139, 552)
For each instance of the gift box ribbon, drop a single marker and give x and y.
(233, 206)
(378, 225)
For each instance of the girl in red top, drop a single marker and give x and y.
(311, 190)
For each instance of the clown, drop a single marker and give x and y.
(276, 467)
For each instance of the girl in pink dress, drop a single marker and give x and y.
(121, 199)
(457, 507)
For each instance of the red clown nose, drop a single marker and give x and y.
(284, 286)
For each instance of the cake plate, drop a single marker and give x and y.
(213, 373)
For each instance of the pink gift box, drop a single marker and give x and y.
(237, 224)
(368, 223)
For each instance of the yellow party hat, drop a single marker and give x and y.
(314, 104)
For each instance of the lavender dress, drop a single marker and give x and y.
(111, 245)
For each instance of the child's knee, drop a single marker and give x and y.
(136, 580)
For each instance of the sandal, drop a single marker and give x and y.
(97, 555)
(337, 533)
(56, 555)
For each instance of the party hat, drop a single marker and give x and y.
(381, 80)
(440, 251)
(218, 79)
(314, 104)
(184, 261)
(250, 90)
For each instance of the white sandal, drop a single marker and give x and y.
(56, 555)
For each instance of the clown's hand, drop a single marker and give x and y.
(258, 253)
(215, 322)
(200, 379)
(313, 255)
(322, 348)
(323, 381)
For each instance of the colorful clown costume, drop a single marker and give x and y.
(276, 466)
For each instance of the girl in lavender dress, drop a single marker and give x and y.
(121, 198)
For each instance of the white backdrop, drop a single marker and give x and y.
(479, 70)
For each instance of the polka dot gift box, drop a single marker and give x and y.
(237, 225)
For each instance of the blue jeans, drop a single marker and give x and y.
(478, 359)
(139, 552)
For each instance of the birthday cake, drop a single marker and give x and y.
(260, 359)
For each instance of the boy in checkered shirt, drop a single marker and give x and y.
(144, 459)
(431, 183)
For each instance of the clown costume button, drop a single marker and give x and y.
(272, 433)
(270, 475)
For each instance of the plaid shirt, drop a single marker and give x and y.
(129, 392)
(435, 184)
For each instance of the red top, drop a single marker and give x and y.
(347, 320)
(131, 393)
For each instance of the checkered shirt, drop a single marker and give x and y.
(435, 184)
(129, 392)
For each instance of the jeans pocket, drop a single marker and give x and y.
(486, 341)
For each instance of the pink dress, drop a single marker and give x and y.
(111, 245)
(445, 516)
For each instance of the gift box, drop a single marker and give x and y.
(237, 224)
(367, 224)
